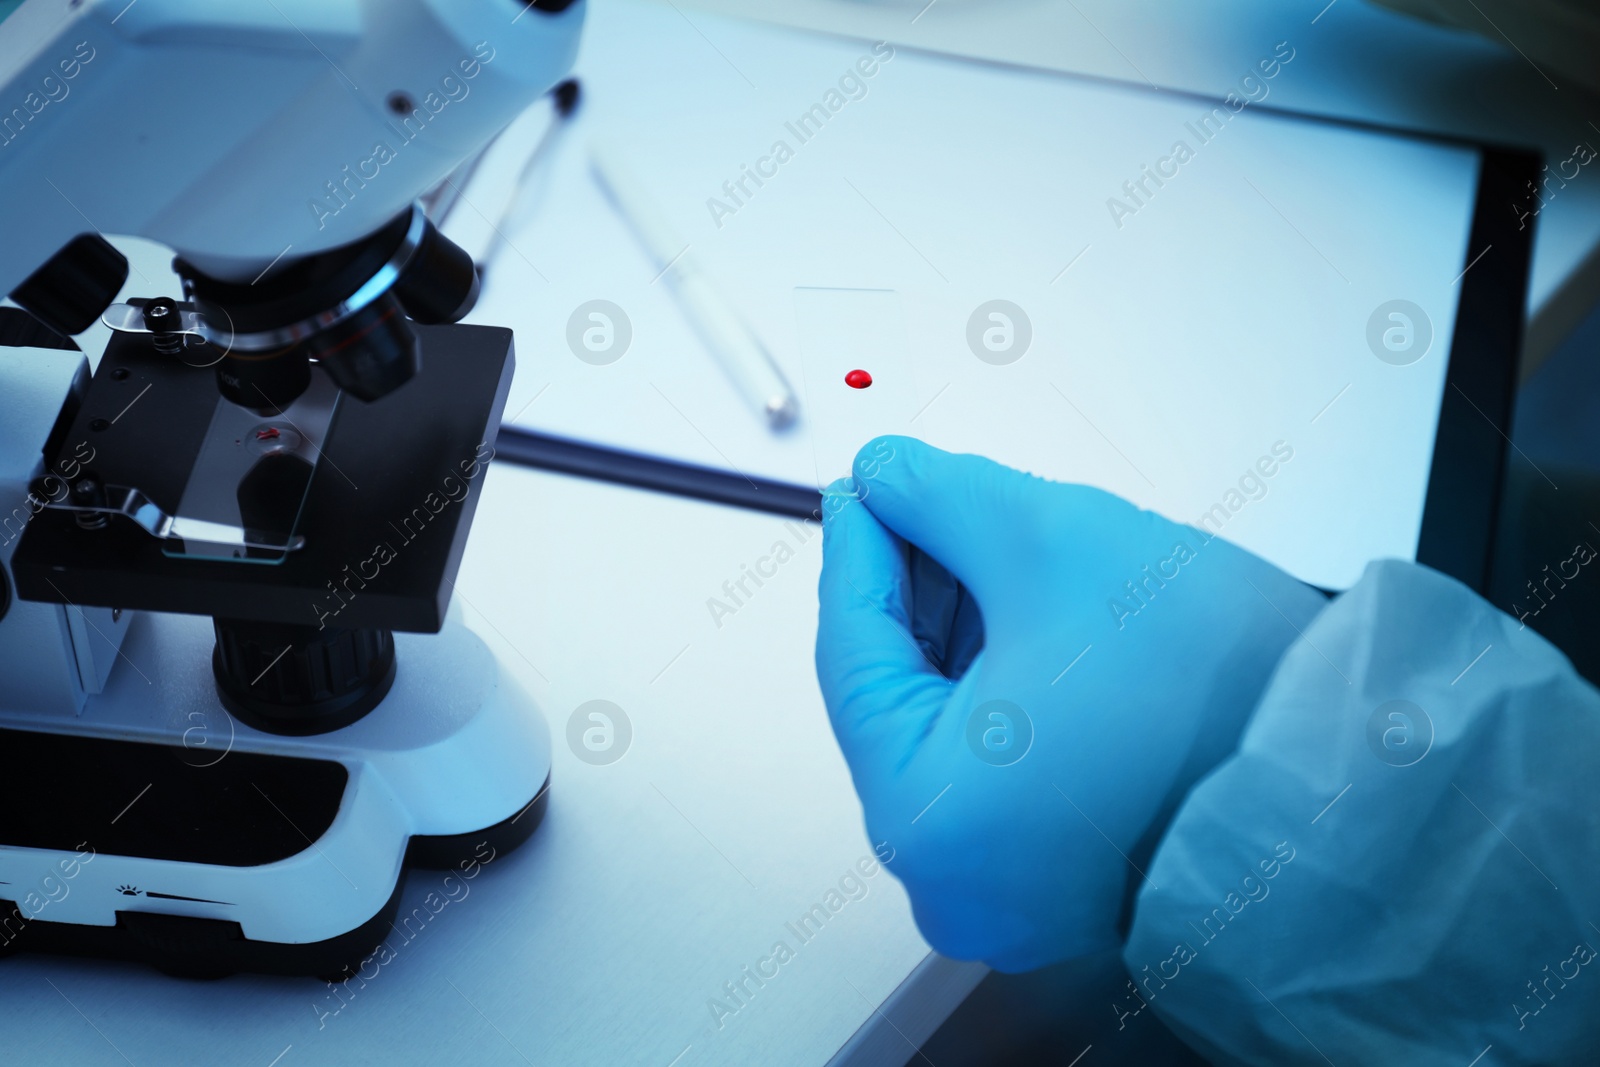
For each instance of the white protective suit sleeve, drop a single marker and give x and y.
(1401, 862)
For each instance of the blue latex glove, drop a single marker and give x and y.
(950, 583)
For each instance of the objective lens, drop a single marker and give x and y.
(372, 353)
(266, 382)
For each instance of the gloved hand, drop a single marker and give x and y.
(1025, 678)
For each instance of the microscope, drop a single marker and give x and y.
(235, 705)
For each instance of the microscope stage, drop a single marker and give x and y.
(385, 518)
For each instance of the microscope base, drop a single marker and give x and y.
(154, 827)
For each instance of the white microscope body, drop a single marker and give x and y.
(149, 807)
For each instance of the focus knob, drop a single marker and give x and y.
(299, 680)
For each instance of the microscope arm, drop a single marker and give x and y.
(248, 134)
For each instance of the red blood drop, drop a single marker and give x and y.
(858, 379)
